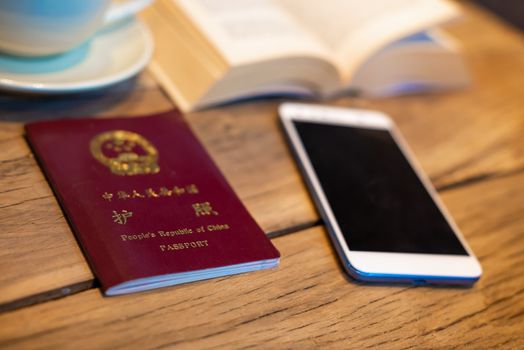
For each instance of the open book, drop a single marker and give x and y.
(216, 51)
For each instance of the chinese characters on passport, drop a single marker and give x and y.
(199, 209)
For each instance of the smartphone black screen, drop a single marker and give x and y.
(379, 202)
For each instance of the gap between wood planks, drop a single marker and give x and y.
(89, 284)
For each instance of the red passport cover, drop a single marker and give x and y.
(145, 199)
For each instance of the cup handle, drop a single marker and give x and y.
(118, 11)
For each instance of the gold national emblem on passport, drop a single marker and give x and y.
(125, 153)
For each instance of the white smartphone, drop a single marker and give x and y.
(382, 213)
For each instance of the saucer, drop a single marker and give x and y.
(113, 54)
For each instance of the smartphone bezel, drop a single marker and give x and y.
(377, 266)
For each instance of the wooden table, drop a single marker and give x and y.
(470, 142)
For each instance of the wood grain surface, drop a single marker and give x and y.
(470, 142)
(308, 302)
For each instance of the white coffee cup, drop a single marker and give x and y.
(47, 27)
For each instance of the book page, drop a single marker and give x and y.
(354, 29)
(247, 31)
